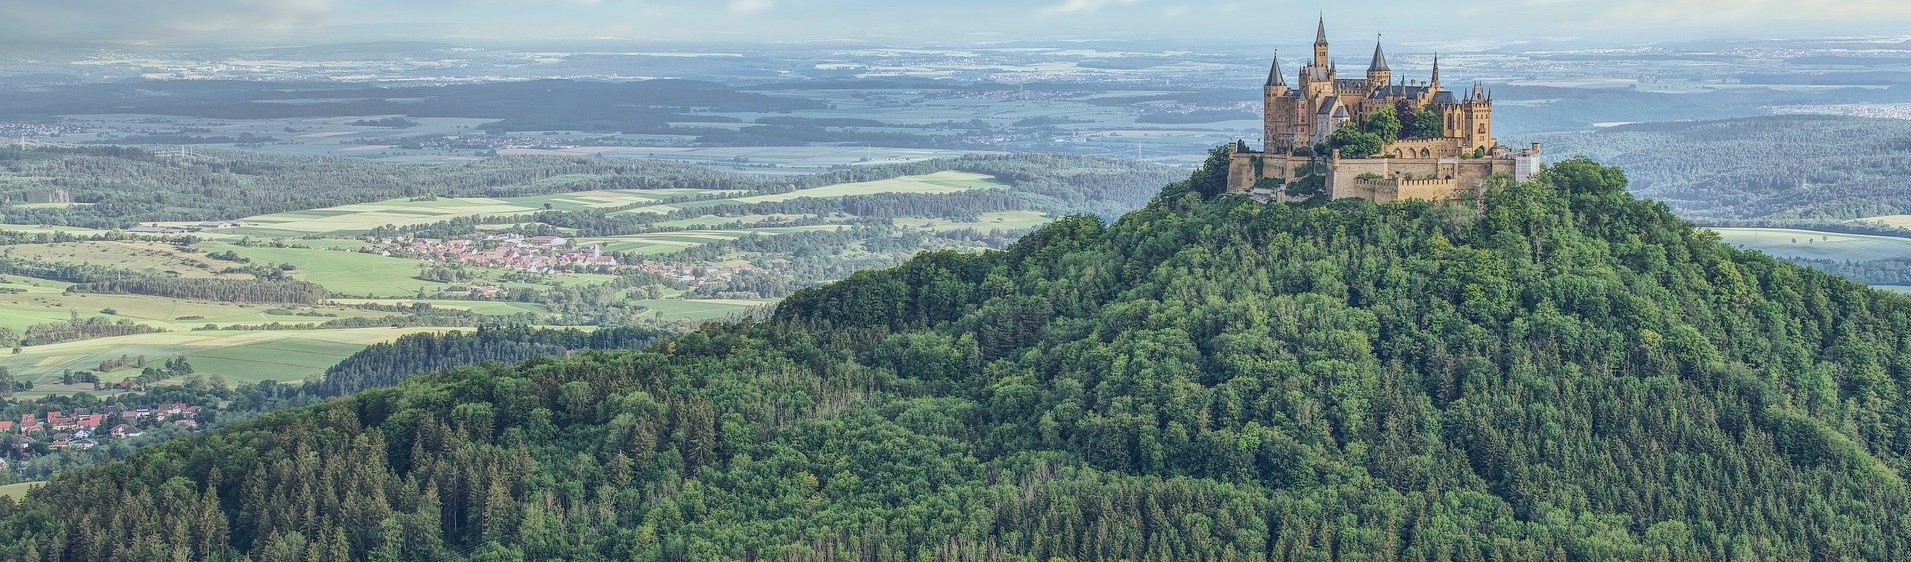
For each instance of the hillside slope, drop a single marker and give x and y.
(1567, 374)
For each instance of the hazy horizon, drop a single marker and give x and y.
(292, 22)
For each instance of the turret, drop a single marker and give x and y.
(1320, 43)
(1378, 75)
(1276, 83)
(1435, 84)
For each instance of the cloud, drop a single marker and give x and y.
(1085, 6)
(137, 19)
(750, 6)
(1763, 11)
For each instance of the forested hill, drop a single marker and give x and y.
(1562, 373)
(1794, 169)
(121, 186)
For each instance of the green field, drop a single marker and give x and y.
(359, 218)
(362, 274)
(155, 257)
(17, 491)
(1812, 244)
(666, 242)
(287, 354)
(17, 311)
(1899, 221)
(710, 309)
(939, 182)
(36, 229)
(1001, 220)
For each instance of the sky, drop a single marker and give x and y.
(916, 21)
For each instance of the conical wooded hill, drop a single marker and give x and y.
(1553, 372)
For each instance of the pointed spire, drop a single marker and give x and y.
(1479, 94)
(1436, 70)
(1380, 58)
(1320, 31)
(1274, 77)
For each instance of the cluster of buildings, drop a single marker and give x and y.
(537, 254)
(31, 129)
(83, 428)
(692, 276)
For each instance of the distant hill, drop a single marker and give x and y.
(1797, 169)
(1563, 373)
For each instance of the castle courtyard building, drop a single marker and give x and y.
(1301, 153)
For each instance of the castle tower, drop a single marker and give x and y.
(1378, 75)
(1282, 114)
(1320, 43)
(1477, 118)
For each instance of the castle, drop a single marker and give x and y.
(1330, 136)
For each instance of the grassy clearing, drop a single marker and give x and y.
(289, 359)
(1900, 221)
(156, 257)
(711, 309)
(17, 491)
(237, 355)
(1812, 244)
(1002, 220)
(20, 310)
(939, 182)
(38, 229)
(667, 242)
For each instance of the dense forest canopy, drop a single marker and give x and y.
(1558, 372)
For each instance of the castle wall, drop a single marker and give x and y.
(1425, 148)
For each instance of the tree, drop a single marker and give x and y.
(1211, 180)
(1383, 123)
(1427, 124)
(1355, 143)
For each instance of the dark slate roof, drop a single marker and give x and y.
(1399, 91)
(1320, 33)
(1380, 59)
(1445, 98)
(1274, 77)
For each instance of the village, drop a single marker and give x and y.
(539, 254)
(534, 254)
(83, 428)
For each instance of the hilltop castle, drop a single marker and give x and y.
(1370, 137)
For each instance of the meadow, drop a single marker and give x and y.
(667, 242)
(936, 183)
(1000, 220)
(151, 256)
(363, 217)
(239, 356)
(370, 275)
(701, 309)
(1813, 244)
